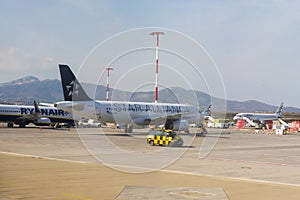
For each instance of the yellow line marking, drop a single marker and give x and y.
(75, 196)
(7, 183)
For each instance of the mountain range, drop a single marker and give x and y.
(28, 89)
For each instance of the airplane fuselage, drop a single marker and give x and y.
(140, 113)
(18, 113)
(256, 116)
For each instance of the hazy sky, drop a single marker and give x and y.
(255, 44)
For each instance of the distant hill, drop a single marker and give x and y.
(27, 89)
(27, 79)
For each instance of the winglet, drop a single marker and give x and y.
(36, 107)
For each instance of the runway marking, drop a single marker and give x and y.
(248, 161)
(212, 176)
(75, 196)
(162, 170)
(243, 161)
(46, 158)
(233, 178)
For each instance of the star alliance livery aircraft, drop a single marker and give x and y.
(172, 116)
(41, 116)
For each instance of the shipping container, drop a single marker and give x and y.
(240, 124)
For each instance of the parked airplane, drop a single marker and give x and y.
(40, 116)
(174, 116)
(251, 118)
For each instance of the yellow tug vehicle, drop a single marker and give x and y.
(164, 137)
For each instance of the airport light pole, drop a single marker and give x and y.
(107, 83)
(156, 63)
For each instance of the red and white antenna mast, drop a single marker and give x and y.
(156, 71)
(107, 84)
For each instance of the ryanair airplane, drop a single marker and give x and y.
(173, 116)
(41, 116)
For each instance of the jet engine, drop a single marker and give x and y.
(42, 121)
(177, 125)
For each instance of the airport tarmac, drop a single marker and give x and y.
(55, 164)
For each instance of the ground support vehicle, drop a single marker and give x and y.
(164, 137)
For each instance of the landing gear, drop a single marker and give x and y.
(169, 125)
(201, 132)
(128, 128)
(10, 125)
(22, 125)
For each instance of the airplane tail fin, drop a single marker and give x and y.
(207, 112)
(72, 89)
(279, 110)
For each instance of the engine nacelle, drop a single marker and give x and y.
(42, 121)
(178, 125)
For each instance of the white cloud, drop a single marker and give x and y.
(16, 63)
(14, 59)
(48, 63)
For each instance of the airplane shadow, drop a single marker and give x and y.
(117, 134)
(112, 134)
(208, 135)
(39, 128)
(126, 134)
(214, 136)
(185, 146)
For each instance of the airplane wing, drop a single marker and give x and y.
(35, 115)
(48, 104)
(32, 116)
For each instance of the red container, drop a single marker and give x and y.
(240, 124)
(269, 124)
(295, 126)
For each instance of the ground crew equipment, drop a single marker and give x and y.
(163, 137)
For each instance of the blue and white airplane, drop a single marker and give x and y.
(173, 116)
(251, 118)
(41, 116)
